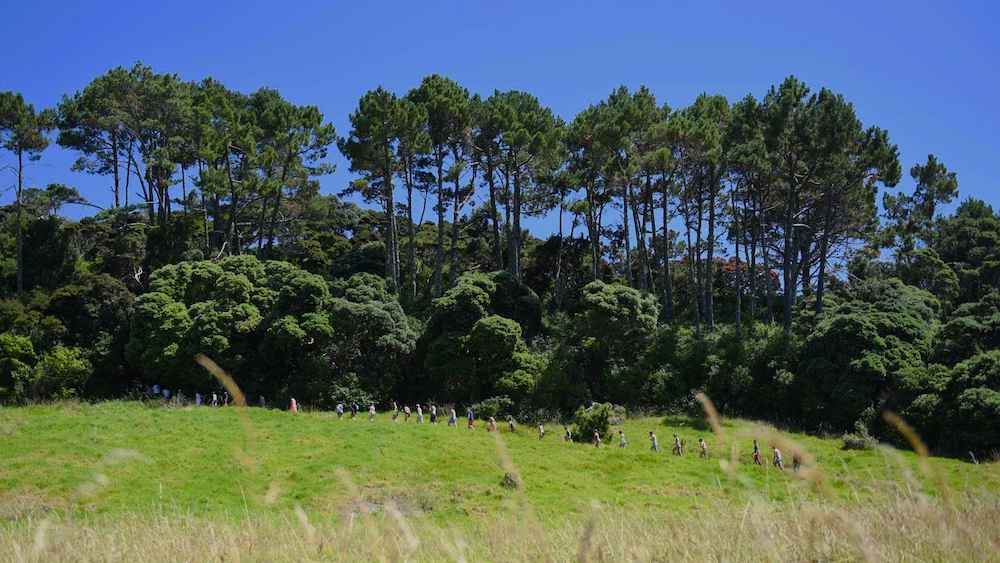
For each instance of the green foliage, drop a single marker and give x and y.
(223, 310)
(370, 336)
(970, 329)
(611, 328)
(60, 373)
(595, 418)
(17, 356)
(974, 420)
(923, 268)
(472, 350)
(497, 407)
(95, 312)
(969, 242)
(733, 217)
(851, 358)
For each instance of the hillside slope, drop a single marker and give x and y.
(126, 458)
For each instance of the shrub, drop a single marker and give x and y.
(860, 439)
(855, 441)
(60, 373)
(496, 407)
(597, 416)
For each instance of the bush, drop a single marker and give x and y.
(860, 439)
(497, 407)
(855, 441)
(596, 417)
(60, 373)
(974, 424)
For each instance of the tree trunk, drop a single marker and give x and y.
(559, 255)
(751, 251)
(698, 261)
(668, 283)
(823, 248)
(515, 259)
(114, 166)
(786, 260)
(455, 211)
(639, 223)
(625, 230)
(710, 262)
(233, 211)
(738, 273)
(494, 215)
(184, 189)
(392, 267)
(692, 268)
(20, 229)
(439, 247)
(593, 231)
(412, 235)
(765, 256)
(507, 220)
(128, 172)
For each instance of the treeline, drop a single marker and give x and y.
(735, 248)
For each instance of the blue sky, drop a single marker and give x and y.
(927, 72)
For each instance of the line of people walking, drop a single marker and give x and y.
(491, 426)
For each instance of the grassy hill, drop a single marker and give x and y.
(109, 463)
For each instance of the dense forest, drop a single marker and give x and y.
(755, 250)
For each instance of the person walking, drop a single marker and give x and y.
(704, 448)
(293, 406)
(340, 411)
(491, 425)
(354, 410)
(756, 454)
(406, 413)
(434, 414)
(678, 446)
(777, 459)
(622, 442)
(796, 461)
(597, 439)
(420, 414)
(541, 430)
(453, 418)
(654, 444)
(371, 412)
(568, 435)
(471, 417)
(395, 411)
(511, 425)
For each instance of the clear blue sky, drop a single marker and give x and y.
(927, 72)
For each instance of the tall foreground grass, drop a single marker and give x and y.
(909, 529)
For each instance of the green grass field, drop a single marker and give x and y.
(119, 461)
(125, 457)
